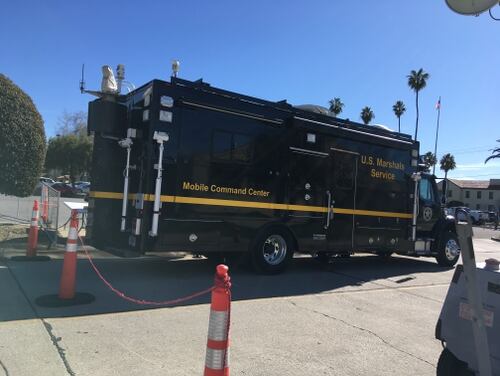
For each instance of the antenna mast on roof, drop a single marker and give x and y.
(82, 81)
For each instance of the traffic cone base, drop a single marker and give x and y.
(54, 301)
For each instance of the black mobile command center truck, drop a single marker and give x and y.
(184, 166)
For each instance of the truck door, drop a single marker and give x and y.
(342, 186)
(307, 191)
(429, 208)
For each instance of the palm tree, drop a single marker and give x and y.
(336, 106)
(447, 163)
(429, 159)
(399, 109)
(367, 115)
(494, 154)
(417, 80)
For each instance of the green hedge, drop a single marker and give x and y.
(22, 140)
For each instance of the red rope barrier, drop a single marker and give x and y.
(140, 301)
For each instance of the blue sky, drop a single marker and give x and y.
(305, 52)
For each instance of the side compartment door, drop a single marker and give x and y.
(342, 186)
(307, 192)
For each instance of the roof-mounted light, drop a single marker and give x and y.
(175, 67)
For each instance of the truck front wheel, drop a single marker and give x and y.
(449, 365)
(449, 250)
(272, 251)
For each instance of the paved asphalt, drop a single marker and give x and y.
(357, 316)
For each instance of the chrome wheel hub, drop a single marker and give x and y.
(274, 249)
(452, 249)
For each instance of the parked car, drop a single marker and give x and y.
(459, 215)
(492, 216)
(477, 217)
(46, 180)
(78, 183)
(84, 186)
(67, 190)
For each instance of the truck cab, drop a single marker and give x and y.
(433, 231)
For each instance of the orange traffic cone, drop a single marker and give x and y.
(217, 357)
(33, 234)
(68, 277)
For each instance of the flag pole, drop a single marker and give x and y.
(438, 105)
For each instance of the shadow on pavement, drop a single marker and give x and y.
(159, 279)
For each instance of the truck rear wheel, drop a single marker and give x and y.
(449, 250)
(272, 251)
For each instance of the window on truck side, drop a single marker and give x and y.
(343, 170)
(242, 148)
(425, 190)
(221, 145)
(228, 146)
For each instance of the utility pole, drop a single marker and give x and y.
(438, 106)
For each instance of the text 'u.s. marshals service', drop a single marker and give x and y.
(382, 163)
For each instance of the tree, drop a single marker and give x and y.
(336, 106)
(71, 150)
(22, 140)
(417, 80)
(367, 115)
(447, 163)
(429, 160)
(70, 153)
(494, 154)
(73, 123)
(399, 109)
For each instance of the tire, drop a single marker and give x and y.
(449, 365)
(272, 251)
(449, 250)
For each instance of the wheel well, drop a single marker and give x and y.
(443, 227)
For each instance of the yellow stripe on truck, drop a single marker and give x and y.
(251, 204)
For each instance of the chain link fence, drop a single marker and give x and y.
(49, 210)
(16, 209)
(49, 206)
(19, 209)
